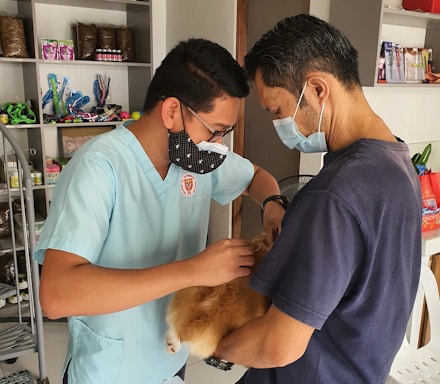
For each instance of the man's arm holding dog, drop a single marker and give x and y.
(72, 286)
(272, 340)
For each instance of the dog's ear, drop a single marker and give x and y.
(260, 247)
(259, 242)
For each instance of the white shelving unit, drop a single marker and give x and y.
(23, 79)
(26, 78)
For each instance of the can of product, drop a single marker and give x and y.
(13, 180)
(38, 178)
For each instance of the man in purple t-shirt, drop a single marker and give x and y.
(342, 275)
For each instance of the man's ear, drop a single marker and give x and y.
(319, 85)
(170, 112)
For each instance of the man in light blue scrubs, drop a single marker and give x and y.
(128, 222)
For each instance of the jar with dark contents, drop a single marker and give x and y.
(3, 116)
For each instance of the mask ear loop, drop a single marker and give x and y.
(183, 120)
(320, 117)
(299, 100)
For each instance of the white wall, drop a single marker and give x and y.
(176, 20)
(213, 20)
(158, 31)
(209, 19)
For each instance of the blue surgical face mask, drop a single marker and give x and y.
(289, 134)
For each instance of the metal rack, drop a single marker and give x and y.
(26, 333)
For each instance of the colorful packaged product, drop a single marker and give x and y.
(414, 72)
(65, 50)
(394, 64)
(49, 49)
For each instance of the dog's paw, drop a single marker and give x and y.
(173, 342)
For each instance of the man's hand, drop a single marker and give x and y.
(272, 216)
(222, 262)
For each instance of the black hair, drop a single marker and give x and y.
(297, 45)
(197, 71)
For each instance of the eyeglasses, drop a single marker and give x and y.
(215, 134)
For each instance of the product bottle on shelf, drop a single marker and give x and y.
(430, 62)
(3, 116)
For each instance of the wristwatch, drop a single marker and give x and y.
(220, 364)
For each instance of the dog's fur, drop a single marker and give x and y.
(202, 316)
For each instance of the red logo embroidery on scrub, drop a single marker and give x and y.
(188, 185)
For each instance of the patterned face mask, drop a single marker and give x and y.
(187, 155)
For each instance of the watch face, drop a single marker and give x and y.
(220, 364)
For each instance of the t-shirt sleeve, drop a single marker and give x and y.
(80, 209)
(232, 178)
(308, 270)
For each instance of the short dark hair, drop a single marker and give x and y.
(297, 45)
(197, 71)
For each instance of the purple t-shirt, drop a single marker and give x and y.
(347, 263)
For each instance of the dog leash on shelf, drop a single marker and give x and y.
(220, 364)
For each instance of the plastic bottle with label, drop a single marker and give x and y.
(3, 116)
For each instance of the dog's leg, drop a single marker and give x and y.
(173, 341)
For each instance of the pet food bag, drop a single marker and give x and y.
(12, 37)
(434, 178)
(125, 42)
(430, 210)
(86, 41)
(106, 37)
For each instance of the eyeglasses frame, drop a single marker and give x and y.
(215, 134)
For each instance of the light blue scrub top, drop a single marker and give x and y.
(111, 207)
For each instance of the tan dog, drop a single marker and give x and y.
(202, 316)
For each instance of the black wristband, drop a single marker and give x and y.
(280, 199)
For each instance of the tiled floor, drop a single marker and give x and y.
(56, 336)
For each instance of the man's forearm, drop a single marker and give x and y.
(273, 340)
(245, 346)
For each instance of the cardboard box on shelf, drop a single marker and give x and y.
(72, 138)
(52, 173)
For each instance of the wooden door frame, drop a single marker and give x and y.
(241, 49)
